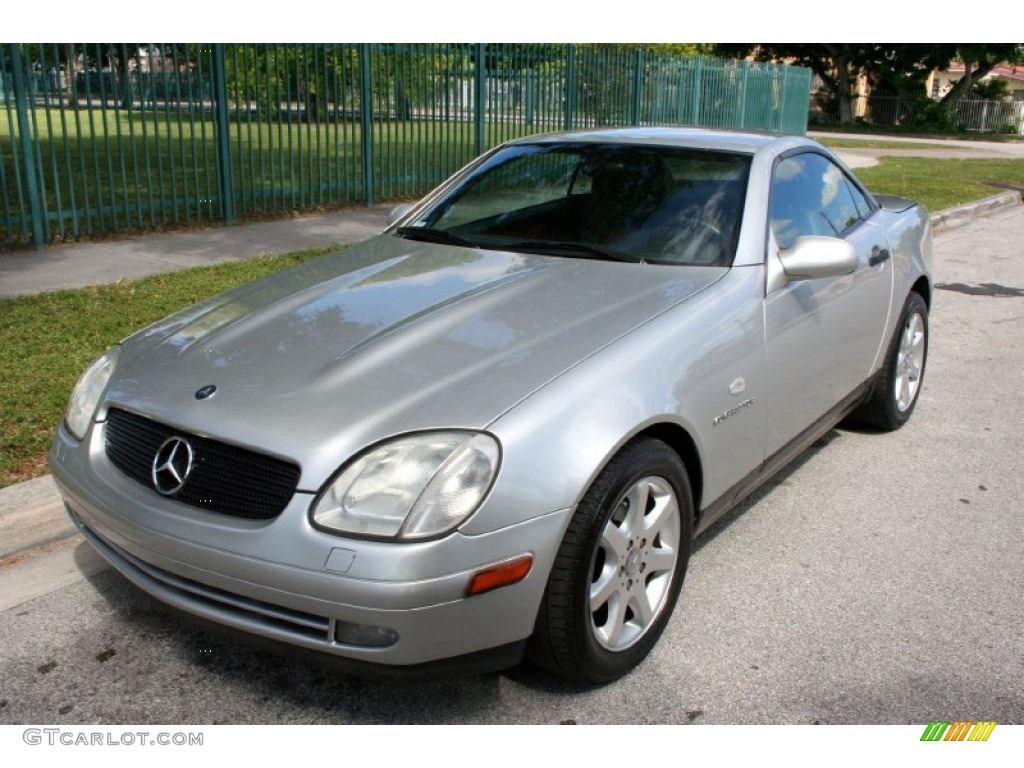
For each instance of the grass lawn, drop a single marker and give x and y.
(46, 341)
(854, 131)
(868, 143)
(941, 183)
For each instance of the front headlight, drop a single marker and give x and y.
(412, 487)
(88, 391)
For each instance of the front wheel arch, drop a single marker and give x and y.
(680, 441)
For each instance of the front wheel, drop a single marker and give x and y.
(899, 381)
(619, 569)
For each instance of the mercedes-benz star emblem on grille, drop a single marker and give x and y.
(172, 465)
(204, 392)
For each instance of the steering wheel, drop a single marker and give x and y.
(688, 240)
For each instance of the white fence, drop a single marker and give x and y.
(972, 115)
(986, 116)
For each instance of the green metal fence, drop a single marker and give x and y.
(106, 138)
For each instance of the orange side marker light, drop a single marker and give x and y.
(500, 575)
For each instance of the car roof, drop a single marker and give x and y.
(701, 138)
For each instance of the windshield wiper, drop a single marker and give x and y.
(573, 250)
(428, 235)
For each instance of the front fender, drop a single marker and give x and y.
(678, 368)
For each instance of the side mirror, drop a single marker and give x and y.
(398, 212)
(814, 256)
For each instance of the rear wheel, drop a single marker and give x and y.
(899, 382)
(619, 569)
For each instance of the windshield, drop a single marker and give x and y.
(622, 202)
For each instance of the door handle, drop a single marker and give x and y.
(878, 256)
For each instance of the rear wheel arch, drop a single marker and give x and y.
(924, 288)
(897, 385)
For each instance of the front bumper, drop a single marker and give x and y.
(372, 603)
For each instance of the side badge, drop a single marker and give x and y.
(738, 387)
(206, 392)
(732, 411)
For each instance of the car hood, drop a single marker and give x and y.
(317, 362)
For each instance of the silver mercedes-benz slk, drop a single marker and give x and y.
(497, 426)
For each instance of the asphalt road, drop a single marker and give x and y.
(879, 580)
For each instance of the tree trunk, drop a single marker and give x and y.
(964, 85)
(69, 52)
(125, 82)
(843, 94)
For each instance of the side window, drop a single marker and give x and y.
(811, 196)
(861, 201)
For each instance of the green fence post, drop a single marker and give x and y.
(27, 142)
(366, 120)
(744, 81)
(697, 87)
(637, 86)
(781, 114)
(479, 101)
(222, 135)
(570, 84)
(529, 97)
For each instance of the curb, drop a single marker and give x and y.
(952, 218)
(31, 515)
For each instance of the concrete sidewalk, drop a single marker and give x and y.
(78, 265)
(935, 147)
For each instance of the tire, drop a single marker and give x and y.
(898, 385)
(628, 545)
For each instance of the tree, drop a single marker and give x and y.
(903, 69)
(992, 90)
(899, 68)
(979, 59)
(838, 65)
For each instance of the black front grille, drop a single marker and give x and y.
(224, 478)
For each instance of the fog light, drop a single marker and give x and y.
(500, 575)
(364, 635)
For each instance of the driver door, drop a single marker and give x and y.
(822, 335)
